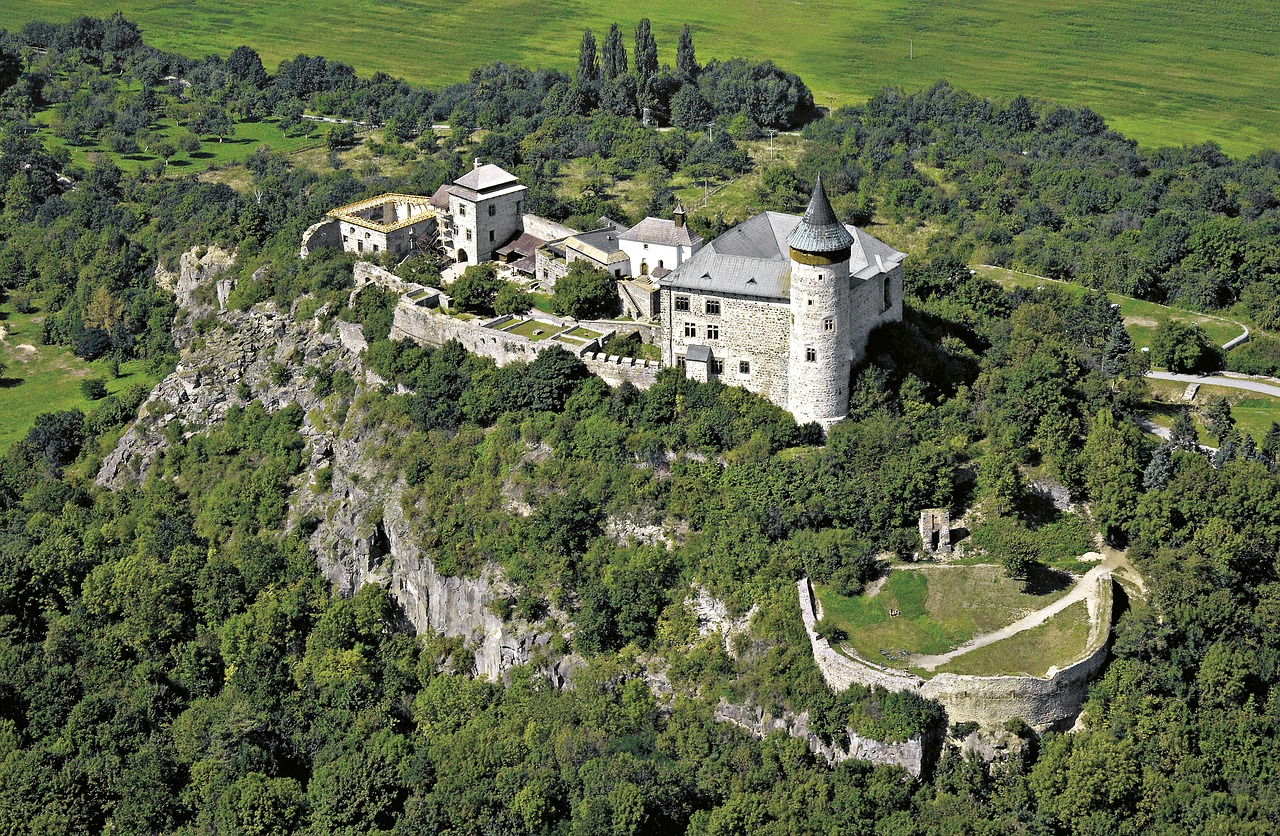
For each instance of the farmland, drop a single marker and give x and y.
(1181, 73)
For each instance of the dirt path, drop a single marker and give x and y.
(1086, 589)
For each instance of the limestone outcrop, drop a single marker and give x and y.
(360, 531)
(913, 755)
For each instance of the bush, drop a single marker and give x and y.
(1260, 355)
(511, 299)
(829, 631)
(93, 388)
(1180, 346)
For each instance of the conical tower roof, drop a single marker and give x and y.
(819, 231)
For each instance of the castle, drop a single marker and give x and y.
(780, 305)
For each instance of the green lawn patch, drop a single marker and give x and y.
(1059, 641)
(940, 608)
(46, 378)
(533, 329)
(1252, 411)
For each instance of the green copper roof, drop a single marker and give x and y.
(819, 231)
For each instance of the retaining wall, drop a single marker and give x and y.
(614, 370)
(1047, 702)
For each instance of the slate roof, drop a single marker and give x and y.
(754, 259)
(664, 232)
(600, 244)
(440, 199)
(526, 245)
(819, 230)
(697, 354)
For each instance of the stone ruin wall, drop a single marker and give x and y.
(1043, 702)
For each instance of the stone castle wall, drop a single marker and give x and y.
(1047, 702)
(751, 330)
(323, 234)
(867, 308)
(615, 370)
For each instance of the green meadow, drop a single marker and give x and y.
(1163, 73)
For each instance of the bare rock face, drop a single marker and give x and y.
(914, 755)
(360, 532)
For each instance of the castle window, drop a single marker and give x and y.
(468, 235)
(717, 366)
(344, 239)
(491, 236)
(810, 301)
(351, 229)
(366, 235)
(462, 211)
(682, 303)
(829, 324)
(493, 210)
(646, 246)
(713, 306)
(810, 355)
(518, 207)
(713, 332)
(744, 367)
(888, 293)
(690, 329)
(375, 248)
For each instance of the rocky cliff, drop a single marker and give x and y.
(360, 536)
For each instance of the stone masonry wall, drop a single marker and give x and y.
(753, 330)
(819, 388)
(1043, 702)
(867, 309)
(614, 370)
(322, 234)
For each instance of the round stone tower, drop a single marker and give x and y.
(821, 315)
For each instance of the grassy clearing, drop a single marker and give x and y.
(1140, 317)
(46, 378)
(1193, 72)
(940, 609)
(1252, 411)
(1060, 640)
(533, 329)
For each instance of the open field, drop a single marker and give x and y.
(1140, 317)
(46, 378)
(940, 609)
(1059, 640)
(1174, 73)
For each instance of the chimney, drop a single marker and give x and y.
(475, 163)
(679, 214)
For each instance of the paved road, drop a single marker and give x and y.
(1219, 380)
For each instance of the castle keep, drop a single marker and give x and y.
(782, 305)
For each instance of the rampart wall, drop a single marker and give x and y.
(1043, 702)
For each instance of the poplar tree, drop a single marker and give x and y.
(588, 61)
(646, 52)
(614, 61)
(686, 61)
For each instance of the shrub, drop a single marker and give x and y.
(476, 289)
(1180, 346)
(93, 388)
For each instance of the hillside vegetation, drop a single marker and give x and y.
(1184, 72)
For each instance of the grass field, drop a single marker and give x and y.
(45, 378)
(1170, 73)
(1140, 317)
(939, 609)
(1058, 641)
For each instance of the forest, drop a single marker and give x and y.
(172, 659)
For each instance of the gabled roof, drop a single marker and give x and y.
(600, 244)
(664, 232)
